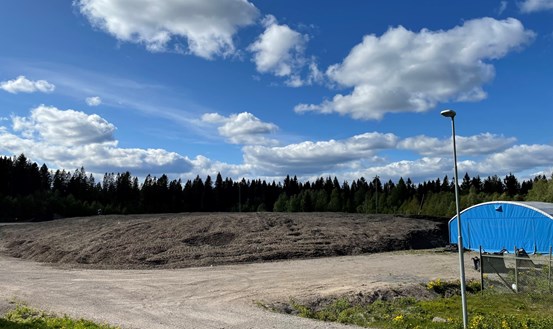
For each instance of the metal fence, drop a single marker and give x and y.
(516, 270)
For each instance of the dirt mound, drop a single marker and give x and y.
(315, 304)
(203, 239)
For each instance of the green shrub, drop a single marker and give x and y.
(303, 311)
(27, 318)
(491, 310)
(450, 288)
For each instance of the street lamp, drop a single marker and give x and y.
(451, 114)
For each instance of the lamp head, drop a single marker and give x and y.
(448, 113)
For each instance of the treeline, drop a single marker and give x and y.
(30, 192)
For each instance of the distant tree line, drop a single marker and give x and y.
(30, 192)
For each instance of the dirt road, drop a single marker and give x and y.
(213, 297)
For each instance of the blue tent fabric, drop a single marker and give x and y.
(501, 225)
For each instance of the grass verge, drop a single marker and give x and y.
(491, 310)
(23, 317)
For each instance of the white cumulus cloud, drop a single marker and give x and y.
(242, 128)
(279, 50)
(312, 157)
(60, 127)
(370, 154)
(93, 101)
(530, 6)
(70, 139)
(481, 144)
(517, 158)
(406, 71)
(23, 85)
(417, 170)
(207, 27)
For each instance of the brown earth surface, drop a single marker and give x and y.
(100, 268)
(205, 239)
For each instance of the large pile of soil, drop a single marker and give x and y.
(203, 239)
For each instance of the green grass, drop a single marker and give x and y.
(491, 310)
(27, 318)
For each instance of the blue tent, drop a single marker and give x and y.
(505, 224)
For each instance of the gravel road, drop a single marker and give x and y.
(213, 297)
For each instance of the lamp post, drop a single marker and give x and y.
(451, 114)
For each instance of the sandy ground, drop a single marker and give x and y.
(214, 297)
(212, 270)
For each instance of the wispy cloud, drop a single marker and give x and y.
(502, 7)
(125, 93)
(531, 6)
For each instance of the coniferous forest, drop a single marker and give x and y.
(32, 192)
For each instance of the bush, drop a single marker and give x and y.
(27, 318)
(491, 310)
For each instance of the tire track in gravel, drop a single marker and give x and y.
(213, 297)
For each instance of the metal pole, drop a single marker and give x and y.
(549, 276)
(460, 237)
(481, 271)
(516, 271)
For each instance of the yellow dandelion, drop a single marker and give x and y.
(398, 318)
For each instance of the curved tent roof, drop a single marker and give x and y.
(506, 224)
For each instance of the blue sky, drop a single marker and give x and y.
(262, 89)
